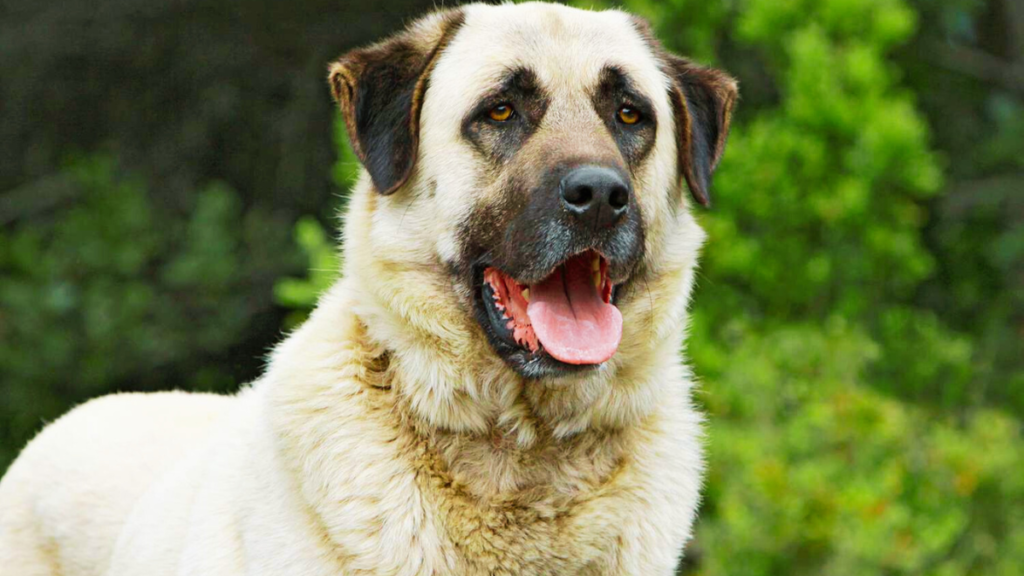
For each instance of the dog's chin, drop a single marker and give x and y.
(500, 305)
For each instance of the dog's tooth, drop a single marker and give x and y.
(526, 294)
(596, 264)
(597, 279)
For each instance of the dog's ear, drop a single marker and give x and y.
(703, 99)
(380, 90)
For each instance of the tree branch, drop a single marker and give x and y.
(992, 191)
(1014, 10)
(35, 197)
(978, 64)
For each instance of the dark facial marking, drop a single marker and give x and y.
(380, 92)
(702, 100)
(527, 233)
(615, 90)
(499, 141)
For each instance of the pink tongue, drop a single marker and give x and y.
(569, 317)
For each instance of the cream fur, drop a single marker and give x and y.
(386, 437)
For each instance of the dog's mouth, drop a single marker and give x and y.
(568, 316)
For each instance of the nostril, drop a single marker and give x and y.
(597, 195)
(578, 195)
(618, 198)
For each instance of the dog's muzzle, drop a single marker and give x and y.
(546, 292)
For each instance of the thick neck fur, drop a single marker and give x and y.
(400, 428)
(398, 327)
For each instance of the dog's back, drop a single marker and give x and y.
(64, 501)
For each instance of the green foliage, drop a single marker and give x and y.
(857, 327)
(300, 294)
(977, 227)
(863, 383)
(813, 472)
(823, 196)
(346, 167)
(816, 201)
(110, 293)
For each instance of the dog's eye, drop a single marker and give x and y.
(501, 112)
(628, 115)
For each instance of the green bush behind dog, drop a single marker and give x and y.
(859, 367)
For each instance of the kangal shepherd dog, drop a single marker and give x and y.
(495, 384)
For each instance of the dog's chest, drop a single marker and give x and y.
(511, 539)
(541, 530)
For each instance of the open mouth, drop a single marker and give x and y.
(569, 314)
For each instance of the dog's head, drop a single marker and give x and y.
(525, 169)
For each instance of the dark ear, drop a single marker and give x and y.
(380, 90)
(702, 99)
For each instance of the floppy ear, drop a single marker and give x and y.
(380, 91)
(702, 99)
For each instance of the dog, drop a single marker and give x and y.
(493, 387)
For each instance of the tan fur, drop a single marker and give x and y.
(386, 437)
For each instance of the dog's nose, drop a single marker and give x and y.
(596, 195)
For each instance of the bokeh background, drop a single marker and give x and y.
(171, 174)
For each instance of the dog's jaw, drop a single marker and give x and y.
(451, 377)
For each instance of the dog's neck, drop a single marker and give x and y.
(510, 439)
(424, 348)
(447, 377)
(347, 428)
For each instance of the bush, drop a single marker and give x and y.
(814, 472)
(108, 293)
(321, 251)
(848, 432)
(853, 429)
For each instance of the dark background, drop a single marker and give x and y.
(171, 173)
(169, 98)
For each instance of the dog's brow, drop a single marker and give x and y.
(521, 80)
(614, 79)
(616, 88)
(520, 87)
(514, 83)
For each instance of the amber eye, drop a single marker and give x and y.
(500, 113)
(628, 115)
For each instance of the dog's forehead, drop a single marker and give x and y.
(566, 48)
